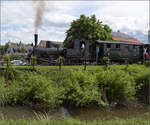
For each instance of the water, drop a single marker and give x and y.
(88, 113)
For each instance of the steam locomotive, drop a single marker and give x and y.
(81, 51)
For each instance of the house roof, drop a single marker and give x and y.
(122, 37)
(19, 46)
(118, 42)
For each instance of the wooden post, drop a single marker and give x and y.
(85, 64)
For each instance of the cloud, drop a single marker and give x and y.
(18, 18)
(125, 15)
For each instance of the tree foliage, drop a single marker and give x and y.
(88, 28)
(3, 49)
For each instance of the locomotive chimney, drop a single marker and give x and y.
(35, 39)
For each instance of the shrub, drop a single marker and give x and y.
(33, 62)
(79, 87)
(117, 85)
(142, 85)
(82, 89)
(3, 91)
(147, 63)
(9, 72)
(76, 87)
(60, 61)
(37, 88)
(9, 93)
(106, 62)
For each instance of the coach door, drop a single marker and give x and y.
(101, 51)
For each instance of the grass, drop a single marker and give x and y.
(44, 120)
(89, 67)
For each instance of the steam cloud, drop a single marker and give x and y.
(40, 7)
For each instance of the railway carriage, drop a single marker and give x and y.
(118, 51)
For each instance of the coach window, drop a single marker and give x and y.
(117, 46)
(108, 46)
(127, 47)
(135, 48)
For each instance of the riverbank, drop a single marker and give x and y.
(142, 120)
(90, 115)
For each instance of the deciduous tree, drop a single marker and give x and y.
(88, 28)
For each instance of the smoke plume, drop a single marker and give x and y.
(40, 6)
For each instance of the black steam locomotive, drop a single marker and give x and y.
(80, 51)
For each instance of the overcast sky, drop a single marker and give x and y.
(17, 18)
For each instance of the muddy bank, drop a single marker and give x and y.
(90, 112)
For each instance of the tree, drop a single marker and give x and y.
(88, 28)
(3, 49)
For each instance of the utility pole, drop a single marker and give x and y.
(149, 36)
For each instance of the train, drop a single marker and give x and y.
(83, 51)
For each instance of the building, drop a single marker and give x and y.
(122, 37)
(18, 49)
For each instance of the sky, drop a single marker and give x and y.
(18, 17)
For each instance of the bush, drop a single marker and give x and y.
(106, 62)
(79, 87)
(117, 85)
(82, 89)
(37, 88)
(9, 93)
(31, 88)
(142, 85)
(147, 63)
(33, 61)
(9, 72)
(2, 91)
(76, 87)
